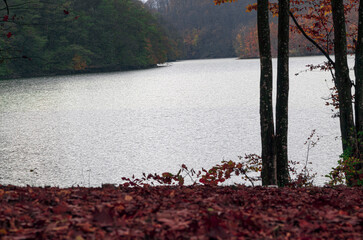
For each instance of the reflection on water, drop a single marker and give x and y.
(93, 129)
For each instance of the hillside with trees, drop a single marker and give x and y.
(206, 30)
(228, 30)
(51, 37)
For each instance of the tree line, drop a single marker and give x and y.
(203, 30)
(48, 37)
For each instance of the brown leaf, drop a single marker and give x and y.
(103, 216)
(79, 237)
(87, 227)
(61, 208)
(128, 198)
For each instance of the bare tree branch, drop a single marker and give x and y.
(311, 40)
(7, 6)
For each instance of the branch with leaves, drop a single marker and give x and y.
(310, 39)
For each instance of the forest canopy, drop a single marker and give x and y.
(227, 30)
(206, 30)
(49, 37)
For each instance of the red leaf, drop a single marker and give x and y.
(66, 12)
(103, 216)
(6, 18)
(61, 208)
(9, 34)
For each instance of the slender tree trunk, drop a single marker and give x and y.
(266, 111)
(352, 137)
(282, 94)
(359, 85)
(342, 80)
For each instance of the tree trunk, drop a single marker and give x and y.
(342, 80)
(282, 94)
(266, 113)
(359, 85)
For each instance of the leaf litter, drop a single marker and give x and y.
(181, 212)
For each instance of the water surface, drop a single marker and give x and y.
(95, 128)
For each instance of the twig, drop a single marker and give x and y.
(311, 40)
(7, 7)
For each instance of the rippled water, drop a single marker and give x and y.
(93, 129)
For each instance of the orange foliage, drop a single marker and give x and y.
(151, 55)
(78, 62)
(246, 45)
(192, 37)
(314, 16)
(218, 2)
(316, 19)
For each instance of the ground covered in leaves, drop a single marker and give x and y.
(197, 212)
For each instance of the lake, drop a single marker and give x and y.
(95, 128)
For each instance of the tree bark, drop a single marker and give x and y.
(342, 79)
(266, 111)
(282, 94)
(359, 85)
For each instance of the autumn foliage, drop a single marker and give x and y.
(198, 212)
(315, 17)
(246, 46)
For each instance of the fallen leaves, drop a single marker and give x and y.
(128, 198)
(199, 212)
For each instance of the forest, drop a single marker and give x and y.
(57, 37)
(206, 30)
(229, 30)
(62, 37)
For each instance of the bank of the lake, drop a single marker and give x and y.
(66, 38)
(59, 73)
